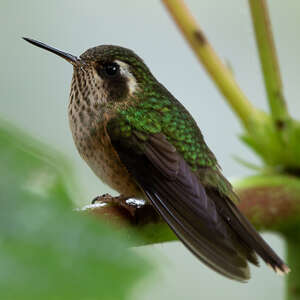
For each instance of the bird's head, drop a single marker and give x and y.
(106, 73)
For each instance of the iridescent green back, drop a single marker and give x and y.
(156, 113)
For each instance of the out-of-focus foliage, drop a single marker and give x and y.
(47, 250)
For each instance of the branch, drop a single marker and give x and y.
(144, 227)
(269, 61)
(219, 73)
(271, 203)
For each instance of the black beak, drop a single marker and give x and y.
(68, 57)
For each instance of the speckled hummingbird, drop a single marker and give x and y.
(142, 142)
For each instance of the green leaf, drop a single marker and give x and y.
(47, 250)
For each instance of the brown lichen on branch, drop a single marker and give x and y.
(270, 208)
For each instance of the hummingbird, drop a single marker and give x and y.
(141, 141)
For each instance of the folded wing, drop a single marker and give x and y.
(208, 223)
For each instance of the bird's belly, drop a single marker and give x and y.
(96, 149)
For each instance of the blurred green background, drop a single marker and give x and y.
(35, 87)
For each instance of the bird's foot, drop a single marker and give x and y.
(137, 212)
(121, 200)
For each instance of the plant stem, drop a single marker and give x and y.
(293, 259)
(269, 61)
(219, 73)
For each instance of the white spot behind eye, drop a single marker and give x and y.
(124, 71)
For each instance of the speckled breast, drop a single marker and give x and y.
(88, 126)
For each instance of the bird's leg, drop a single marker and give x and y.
(121, 200)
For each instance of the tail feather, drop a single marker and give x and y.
(247, 233)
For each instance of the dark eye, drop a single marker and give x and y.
(111, 69)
